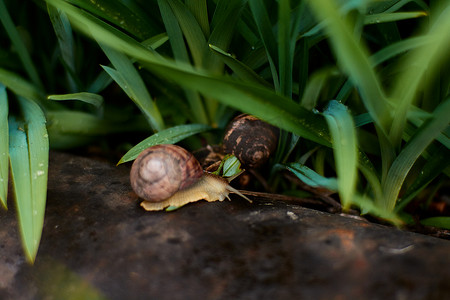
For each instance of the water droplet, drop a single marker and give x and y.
(40, 173)
(314, 110)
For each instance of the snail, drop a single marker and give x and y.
(251, 140)
(168, 175)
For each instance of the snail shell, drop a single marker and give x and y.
(162, 170)
(251, 140)
(168, 175)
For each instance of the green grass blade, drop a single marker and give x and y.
(342, 130)
(223, 23)
(156, 41)
(29, 166)
(314, 87)
(285, 48)
(192, 32)
(199, 9)
(4, 146)
(413, 149)
(128, 78)
(168, 136)
(441, 222)
(354, 60)
(63, 31)
(180, 53)
(93, 99)
(241, 70)
(392, 17)
(19, 45)
(262, 20)
(124, 15)
(368, 207)
(424, 60)
(435, 165)
(311, 178)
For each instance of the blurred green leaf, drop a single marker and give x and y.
(167, 136)
(180, 54)
(345, 151)
(4, 146)
(441, 222)
(354, 60)
(19, 85)
(29, 168)
(369, 207)
(94, 99)
(19, 45)
(63, 31)
(421, 61)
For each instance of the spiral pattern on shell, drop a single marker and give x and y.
(251, 140)
(162, 170)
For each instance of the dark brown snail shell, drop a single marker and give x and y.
(251, 140)
(162, 170)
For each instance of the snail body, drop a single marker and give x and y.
(168, 175)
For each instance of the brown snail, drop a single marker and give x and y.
(251, 140)
(168, 175)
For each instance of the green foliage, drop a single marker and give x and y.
(187, 66)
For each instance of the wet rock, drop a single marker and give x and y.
(98, 243)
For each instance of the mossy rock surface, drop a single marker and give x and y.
(98, 242)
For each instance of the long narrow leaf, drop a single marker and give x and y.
(29, 167)
(94, 99)
(442, 222)
(342, 130)
(19, 45)
(199, 9)
(131, 82)
(437, 163)
(4, 146)
(311, 178)
(354, 60)
(392, 17)
(63, 31)
(243, 71)
(226, 16)
(424, 60)
(261, 16)
(168, 136)
(405, 160)
(123, 14)
(192, 32)
(180, 53)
